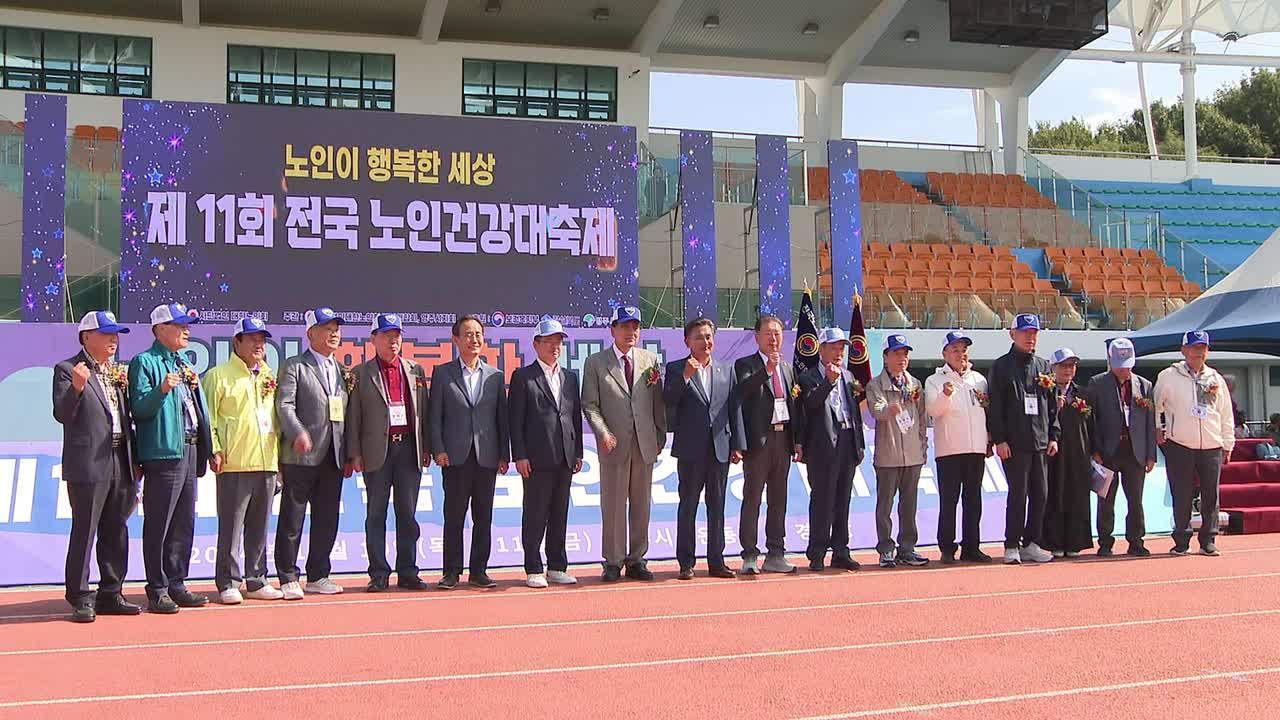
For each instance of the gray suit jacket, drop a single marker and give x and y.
(821, 431)
(458, 426)
(1108, 417)
(303, 405)
(369, 421)
(630, 413)
(86, 423)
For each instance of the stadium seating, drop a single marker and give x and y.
(1250, 489)
(1130, 287)
(1009, 210)
(894, 211)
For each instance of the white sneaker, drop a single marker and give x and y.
(560, 577)
(1012, 556)
(536, 580)
(1059, 554)
(1037, 554)
(324, 586)
(266, 592)
(230, 596)
(1073, 554)
(291, 590)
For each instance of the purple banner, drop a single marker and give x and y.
(773, 212)
(846, 228)
(698, 224)
(44, 190)
(269, 211)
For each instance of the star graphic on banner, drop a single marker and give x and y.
(224, 287)
(51, 289)
(849, 177)
(58, 234)
(129, 216)
(155, 176)
(155, 262)
(37, 253)
(48, 171)
(693, 243)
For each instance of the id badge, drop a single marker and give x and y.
(1199, 412)
(905, 421)
(1031, 405)
(780, 410)
(1125, 408)
(191, 411)
(336, 413)
(265, 426)
(398, 415)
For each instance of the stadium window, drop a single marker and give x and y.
(72, 62)
(311, 78)
(539, 90)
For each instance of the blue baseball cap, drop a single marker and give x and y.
(895, 342)
(832, 335)
(251, 325)
(1062, 355)
(1026, 321)
(550, 327)
(175, 313)
(103, 321)
(1196, 337)
(956, 336)
(383, 322)
(1120, 353)
(625, 313)
(320, 316)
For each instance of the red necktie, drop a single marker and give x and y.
(628, 371)
(777, 383)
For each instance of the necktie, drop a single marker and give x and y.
(628, 371)
(327, 372)
(777, 383)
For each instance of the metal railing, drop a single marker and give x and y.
(1084, 152)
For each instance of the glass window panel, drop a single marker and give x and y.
(61, 58)
(244, 93)
(344, 72)
(540, 80)
(379, 72)
(508, 79)
(477, 105)
(97, 53)
(244, 64)
(278, 66)
(313, 69)
(131, 86)
(477, 77)
(537, 108)
(597, 111)
(21, 48)
(570, 82)
(133, 56)
(508, 107)
(602, 83)
(344, 99)
(569, 110)
(97, 84)
(313, 97)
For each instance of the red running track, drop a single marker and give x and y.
(1124, 638)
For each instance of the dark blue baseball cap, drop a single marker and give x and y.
(895, 342)
(625, 313)
(383, 322)
(1196, 337)
(956, 336)
(320, 316)
(1026, 321)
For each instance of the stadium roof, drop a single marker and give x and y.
(876, 41)
(1224, 18)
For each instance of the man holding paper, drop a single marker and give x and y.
(1124, 442)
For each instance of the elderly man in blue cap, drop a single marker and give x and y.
(956, 398)
(834, 446)
(1197, 435)
(896, 401)
(1124, 441)
(1022, 417)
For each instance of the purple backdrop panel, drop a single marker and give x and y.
(846, 228)
(44, 190)
(773, 210)
(698, 224)
(263, 210)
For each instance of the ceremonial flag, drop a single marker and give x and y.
(859, 360)
(806, 355)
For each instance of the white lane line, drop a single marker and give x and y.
(665, 662)
(872, 573)
(1155, 682)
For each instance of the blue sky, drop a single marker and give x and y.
(886, 112)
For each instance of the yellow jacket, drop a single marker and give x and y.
(236, 400)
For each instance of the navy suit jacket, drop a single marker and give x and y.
(1108, 417)
(820, 428)
(534, 416)
(86, 423)
(697, 420)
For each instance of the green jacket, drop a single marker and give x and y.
(235, 398)
(158, 415)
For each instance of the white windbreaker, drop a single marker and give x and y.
(959, 421)
(1178, 392)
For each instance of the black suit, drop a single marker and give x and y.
(769, 447)
(549, 435)
(832, 453)
(100, 481)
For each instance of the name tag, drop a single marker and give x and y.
(1125, 408)
(780, 413)
(336, 412)
(1200, 412)
(1031, 405)
(399, 415)
(265, 424)
(905, 421)
(116, 427)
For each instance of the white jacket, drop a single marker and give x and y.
(959, 421)
(1175, 399)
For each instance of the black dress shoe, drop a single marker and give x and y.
(1105, 552)
(115, 605)
(188, 599)
(720, 571)
(975, 556)
(448, 582)
(639, 572)
(83, 614)
(162, 605)
(1139, 551)
(481, 580)
(686, 573)
(376, 584)
(948, 557)
(817, 565)
(845, 563)
(612, 573)
(413, 582)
